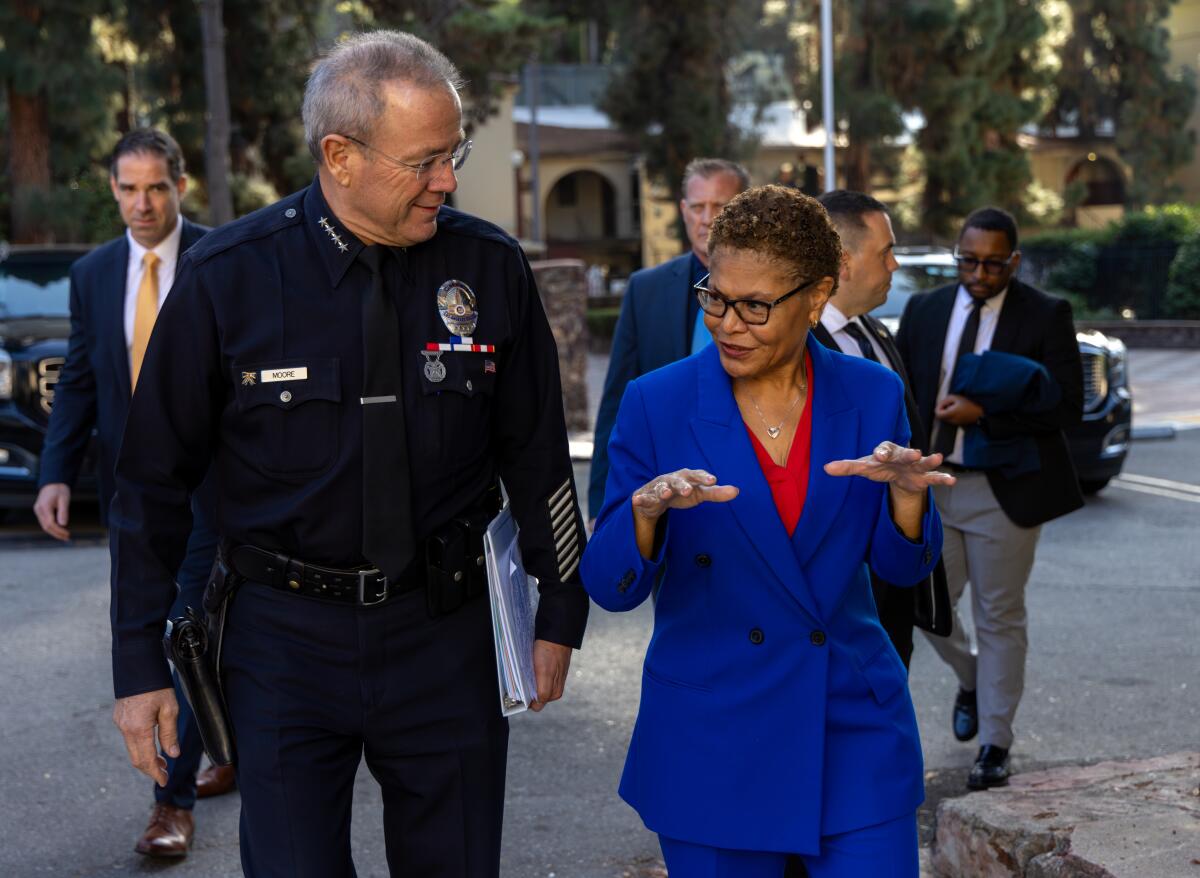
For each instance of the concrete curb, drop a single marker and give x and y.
(1134, 819)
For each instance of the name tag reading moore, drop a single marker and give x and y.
(297, 373)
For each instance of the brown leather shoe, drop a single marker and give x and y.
(216, 780)
(169, 833)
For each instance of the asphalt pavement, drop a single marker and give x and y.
(1113, 671)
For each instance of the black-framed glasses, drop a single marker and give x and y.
(993, 267)
(432, 165)
(752, 312)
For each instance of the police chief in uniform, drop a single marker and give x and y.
(360, 364)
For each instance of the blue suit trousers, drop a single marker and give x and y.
(886, 850)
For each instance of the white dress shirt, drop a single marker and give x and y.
(168, 253)
(989, 315)
(835, 322)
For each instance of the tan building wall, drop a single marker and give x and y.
(1184, 25)
(487, 184)
(555, 222)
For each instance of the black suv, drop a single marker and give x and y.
(34, 327)
(1100, 441)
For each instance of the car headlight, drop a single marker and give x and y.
(6, 375)
(1118, 368)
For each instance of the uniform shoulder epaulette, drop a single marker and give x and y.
(252, 227)
(457, 222)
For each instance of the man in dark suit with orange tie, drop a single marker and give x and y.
(868, 263)
(992, 519)
(116, 291)
(660, 320)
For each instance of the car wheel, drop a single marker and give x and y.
(1092, 486)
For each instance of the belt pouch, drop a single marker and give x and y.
(474, 525)
(446, 570)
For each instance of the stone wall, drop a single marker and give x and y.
(1149, 333)
(564, 296)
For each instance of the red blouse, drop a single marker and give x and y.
(789, 484)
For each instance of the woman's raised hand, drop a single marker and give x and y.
(681, 489)
(904, 468)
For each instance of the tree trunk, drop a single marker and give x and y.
(29, 167)
(857, 166)
(216, 148)
(29, 156)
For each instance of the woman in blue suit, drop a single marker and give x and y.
(775, 717)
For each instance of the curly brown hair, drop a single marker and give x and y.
(783, 225)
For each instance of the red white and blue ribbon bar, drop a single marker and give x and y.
(461, 343)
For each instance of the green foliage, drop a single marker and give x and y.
(671, 91)
(1116, 68)
(1156, 226)
(1183, 287)
(72, 90)
(1145, 261)
(489, 40)
(602, 322)
(882, 50)
(978, 89)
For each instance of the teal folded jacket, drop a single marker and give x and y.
(1003, 384)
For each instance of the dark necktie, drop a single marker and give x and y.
(948, 433)
(388, 540)
(860, 338)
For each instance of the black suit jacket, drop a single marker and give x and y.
(94, 387)
(927, 604)
(1031, 324)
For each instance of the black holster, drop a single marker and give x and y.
(194, 647)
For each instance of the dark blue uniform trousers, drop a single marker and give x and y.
(312, 687)
(192, 577)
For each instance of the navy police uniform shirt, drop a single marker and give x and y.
(256, 365)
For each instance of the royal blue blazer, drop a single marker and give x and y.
(774, 709)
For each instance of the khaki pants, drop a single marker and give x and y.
(984, 547)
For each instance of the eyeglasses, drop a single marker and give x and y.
(432, 165)
(752, 312)
(990, 266)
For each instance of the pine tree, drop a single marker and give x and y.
(57, 111)
(882, 50)
(488, 40)
(671, 90)
(1116, 70)
(979, 90)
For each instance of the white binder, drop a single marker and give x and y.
(513, 595)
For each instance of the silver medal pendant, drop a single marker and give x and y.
(456, 305)
(435, 369)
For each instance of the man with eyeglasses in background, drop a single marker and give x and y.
(360, 365)
(992, 515)
(660, 321)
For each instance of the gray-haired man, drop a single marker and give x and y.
(359, 364)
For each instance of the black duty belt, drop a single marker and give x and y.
(361, 586)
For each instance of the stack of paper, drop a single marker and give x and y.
(514, 605)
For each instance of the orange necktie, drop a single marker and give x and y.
(144, 316)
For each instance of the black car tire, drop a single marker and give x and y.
(1092, 486)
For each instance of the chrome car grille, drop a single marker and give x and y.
(47, 377)
(1095, 379)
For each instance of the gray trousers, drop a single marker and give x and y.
(984, 547)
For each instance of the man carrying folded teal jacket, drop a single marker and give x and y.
(992, 515)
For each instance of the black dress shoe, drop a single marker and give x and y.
(990, 768)
(966, 715)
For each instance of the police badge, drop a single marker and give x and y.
(456, 305)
